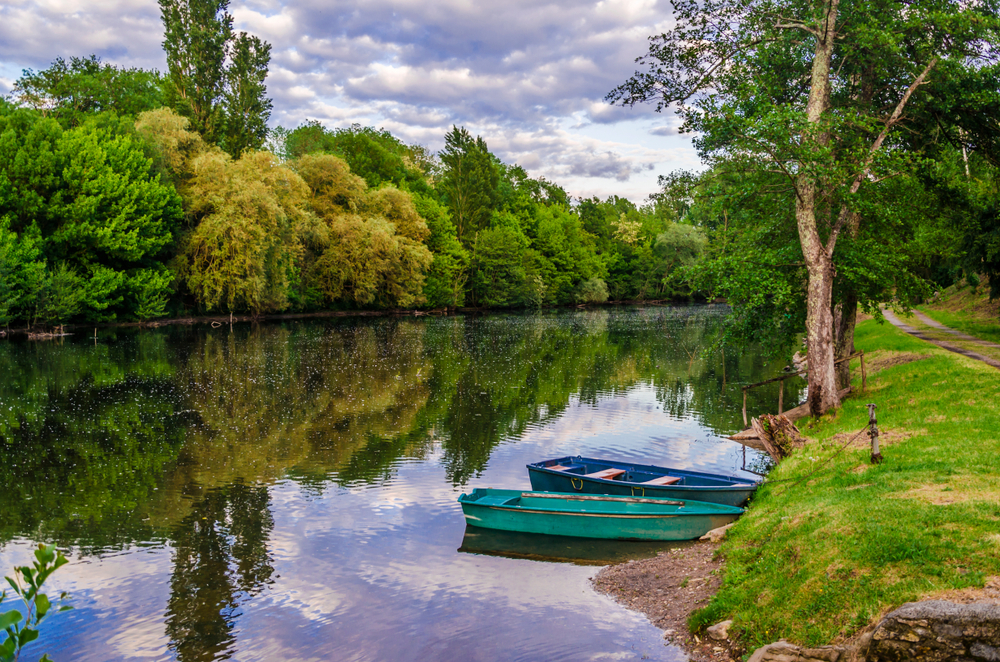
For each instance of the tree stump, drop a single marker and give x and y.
(778, 434)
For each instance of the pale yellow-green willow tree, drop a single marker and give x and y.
(247, 216)
(253, 214)
(262, 233)
(374, 251)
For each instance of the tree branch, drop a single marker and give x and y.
(794, 25)
(894, 119)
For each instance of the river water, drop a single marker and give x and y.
(288, 491)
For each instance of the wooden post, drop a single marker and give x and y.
(723, 369)
(781, 395)
(873, 433)
(864, 377)
(745, 423)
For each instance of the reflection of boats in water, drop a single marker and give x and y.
(558, 549)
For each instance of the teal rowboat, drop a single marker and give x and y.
(594, 516)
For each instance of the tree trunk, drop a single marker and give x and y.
(823, 393)
(845, 316)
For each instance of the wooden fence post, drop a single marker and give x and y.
(781, 395)
(873, 433)
(745, 423)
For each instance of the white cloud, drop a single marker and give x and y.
(527, 75)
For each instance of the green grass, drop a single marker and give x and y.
(968, 310)
(830, 541)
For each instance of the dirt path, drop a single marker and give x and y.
(902, 326)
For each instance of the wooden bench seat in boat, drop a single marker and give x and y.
(662, 480)
(607, 474)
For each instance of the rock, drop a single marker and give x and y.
(782, 651)
(715, 535)
(720, 631)
(938, 631)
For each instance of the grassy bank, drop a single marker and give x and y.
(967, 309)
(830, 542)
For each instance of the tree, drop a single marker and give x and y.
(242, 254)
(216, 78)
(72, 91)
(22, 271)
(60, 297)
(371, 248)
(88, 199)
(196, 33)
(448, 272)
(814, 90)
(170, 143)
(375, 155)
(247, 107)
(470, 180)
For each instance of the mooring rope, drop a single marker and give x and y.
(819, 466)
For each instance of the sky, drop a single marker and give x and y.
(529, 76)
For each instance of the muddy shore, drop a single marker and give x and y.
(667, 589)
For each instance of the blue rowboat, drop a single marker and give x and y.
(593, 516)
(592, 476)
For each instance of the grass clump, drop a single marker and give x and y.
(830, 542)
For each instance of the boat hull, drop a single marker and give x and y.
(697, 486)
(614, 518)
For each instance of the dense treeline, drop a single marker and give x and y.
(113, 216)
(129, 195)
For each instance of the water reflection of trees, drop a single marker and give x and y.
(178, 435)
(88, 432)
(220, 562)
(91, 431)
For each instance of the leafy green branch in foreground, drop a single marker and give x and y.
(22, 629)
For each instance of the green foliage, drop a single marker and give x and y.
(498, 273)
(247, 107)
(972, 205)
(22, 271)
(86, 197)
(469, 181)
(812, 104)
(170, 144)
(216, 78)
(60, 297)
(71, 92)
(592, 290)
(195, 35)
(27, 584)
(242, 254)
(375, 155)
(448, 272)
(370, 248)
(149, 292)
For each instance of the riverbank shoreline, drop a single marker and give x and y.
(222, 320)
(667, 589)
(832, 543)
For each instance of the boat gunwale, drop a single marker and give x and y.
(577, 513)
(697, 508)
(744, 484)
